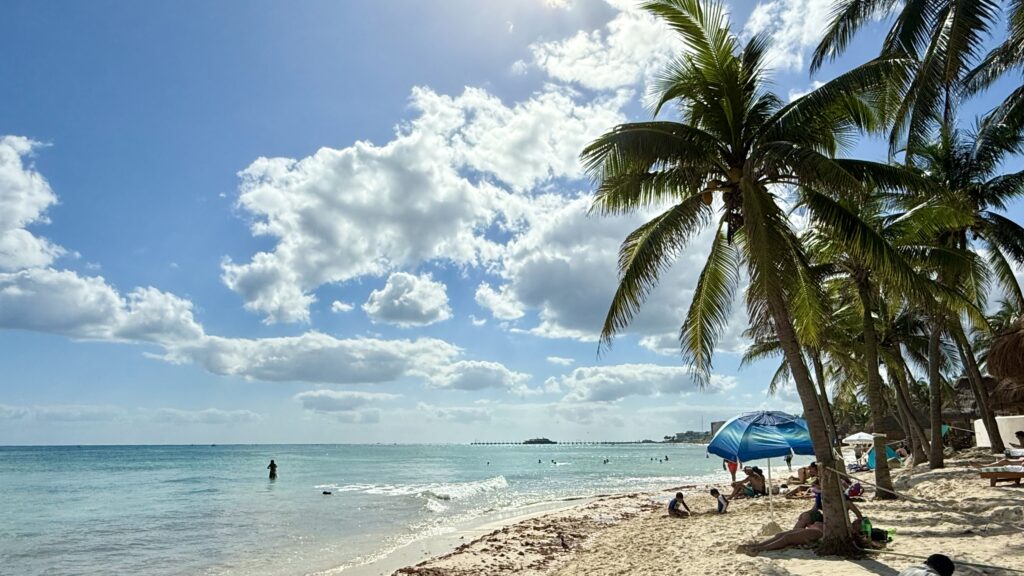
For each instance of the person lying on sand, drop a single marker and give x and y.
(752, 485)
(723, 502)
(795, 537)
(805, 474)
(801, 491)
(675, 503)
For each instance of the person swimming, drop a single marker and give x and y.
(273, 470)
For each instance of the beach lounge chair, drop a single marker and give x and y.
(1003, 471)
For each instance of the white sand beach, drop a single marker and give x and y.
(964, 518)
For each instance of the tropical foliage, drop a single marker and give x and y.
(863, 278)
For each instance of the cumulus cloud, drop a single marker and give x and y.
(630, 48)
(339, 307)
(564, 266)
(367, 210)
(795, 26)
(502, 304)
(316, 357)
(611, 383)
(62, 302)
(339, 401)
(207, 416)
(480, 375)
(344, 406)
(24, 198)
(407, 300)
(560, 361)
(458, 414)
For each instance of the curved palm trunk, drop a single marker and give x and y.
(935, 456)
(837, 539)
(882, 476)
(978, 387)
(922, 445)
(826, 408)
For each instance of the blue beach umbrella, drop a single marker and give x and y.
(764, 434)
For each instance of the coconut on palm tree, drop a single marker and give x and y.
(728, 162)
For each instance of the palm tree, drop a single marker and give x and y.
(963, 167)
(1004, 58)
(735, 148)
(943, 37)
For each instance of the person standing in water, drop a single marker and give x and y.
(273, 470)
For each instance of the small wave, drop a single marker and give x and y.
(443, 491)
(434, 506)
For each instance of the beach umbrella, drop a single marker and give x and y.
(763, 434)
(859, 438)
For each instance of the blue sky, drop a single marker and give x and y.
(339, 222)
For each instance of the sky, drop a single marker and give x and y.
(271, 222)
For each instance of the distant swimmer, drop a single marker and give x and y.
(327, 492)
(538, 461)
(273, 470)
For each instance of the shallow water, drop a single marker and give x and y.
(164, 510)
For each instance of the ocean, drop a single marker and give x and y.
(163, 510)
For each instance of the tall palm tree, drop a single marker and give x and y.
(735, 148)
(1005, 58)
(945, 39)
(964, 170)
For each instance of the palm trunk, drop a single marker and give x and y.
(978, 387)
(935, 456)
(883, 479)
(901, 375)
(826, 408)
(836, 539)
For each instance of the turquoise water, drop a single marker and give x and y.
(211, 510)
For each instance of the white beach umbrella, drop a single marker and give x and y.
(859, 438)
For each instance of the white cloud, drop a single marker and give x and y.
(339, 401)
(795, 93)
(24, 198)
(519, 68)
(479, 375)
(501, 303)
(611, 383)
(207, 416)
(61, 413)
(458, 414)
(367, 210)
(565, 267)
(344, 406)
(407, 300)
(587, 414)
(630, 48)
(316, 357)
(477, 321)
(560, 361)
(795, 26)
(61, 302)
(339, 307)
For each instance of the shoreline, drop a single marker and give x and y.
(630, 533)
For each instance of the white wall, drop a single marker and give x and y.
(1008, 425)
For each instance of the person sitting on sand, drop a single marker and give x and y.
(723, 502)
(675, 503)
(804, 475)
(807, 518)
(752, 485)
(795, 537)
(935, 565)
(901, 451)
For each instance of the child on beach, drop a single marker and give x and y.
(723, 502)
(675, 503)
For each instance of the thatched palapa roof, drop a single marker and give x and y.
(1006, 358)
